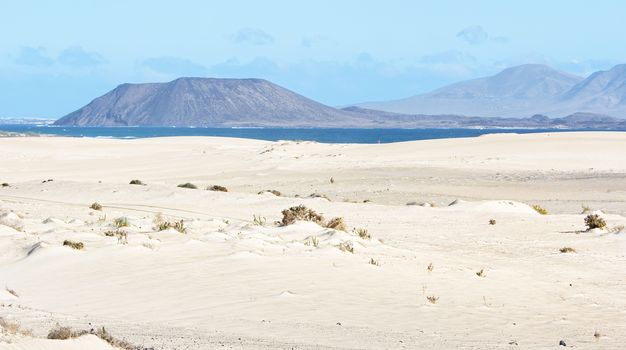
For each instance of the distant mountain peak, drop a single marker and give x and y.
(195, 101)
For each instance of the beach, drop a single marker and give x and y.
(441, 249)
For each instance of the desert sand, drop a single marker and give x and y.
(435, 274)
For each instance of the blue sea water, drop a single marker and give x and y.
(271, 134)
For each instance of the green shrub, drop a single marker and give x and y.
(121, 222)
(540, 210)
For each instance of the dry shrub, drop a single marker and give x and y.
(567, 250)
(481, 273)
(492, 221)
(136, 182)
(337, 224)
(13, 328)
(217, 188)
(346, 247)
(95, 206)
(432, 299)
(188, 185)
(74, 245)
(594, 221)
(64, 333)
(300, 213)
(374, 262)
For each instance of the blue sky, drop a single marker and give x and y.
(56, 56)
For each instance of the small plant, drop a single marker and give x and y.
(312, 241)
(274, 192)
(300, 213)
(13, 328)
(492, 221)
(102, 218)
(122, 237)
(432, 299)
(176, 225)
(337, 224)
(64, 333)
(121, 222)
(586, 209)
(363, 233)
(74, 245)
(259, 220)
(12, 292)
(597, 334)
(188, 185)
(217, 188)
(346, 247)
(4, 184)
(95, 206)
(481, 273)
(374, 262)
(136, 182)
(539, 209)
(567, 250)
(430, 267)
(594, 221)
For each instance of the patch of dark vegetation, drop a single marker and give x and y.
(45, 181)
(188, 185)
(5, 184)
(492, 221)
(217, 188)
(337, 224)
(567, 250)
(95, 206)
(594, 221)
(74, 245)
(136, 182)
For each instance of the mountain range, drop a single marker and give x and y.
(520, 96)
(522, 91)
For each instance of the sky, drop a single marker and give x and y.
(56, 56)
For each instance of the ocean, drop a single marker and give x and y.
(271, 134)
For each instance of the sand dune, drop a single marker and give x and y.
(233, 282)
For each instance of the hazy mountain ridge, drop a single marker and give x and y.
(521, 91)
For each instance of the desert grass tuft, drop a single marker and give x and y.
(337, 224)
(312, 241)
(188, 185)
(346, 247)
(74, 245)
(259, 220)
(567, 250)
(95, 206)
(539, 209)
(374, 262)
(594, 221)
(121, 222)
(363, 233)
(481, 273)
(176, 225)
(586, 209)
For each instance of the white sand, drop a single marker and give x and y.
(230, 282)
